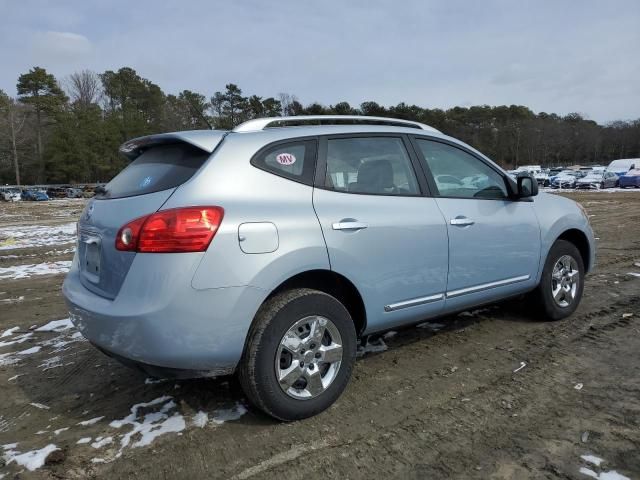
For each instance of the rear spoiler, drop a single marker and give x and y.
(206, 140)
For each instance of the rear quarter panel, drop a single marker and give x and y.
(249, 194)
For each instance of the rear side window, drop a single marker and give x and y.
(370, 165)
(156, 169)
(292, 160)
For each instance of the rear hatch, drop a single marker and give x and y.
(161, 163)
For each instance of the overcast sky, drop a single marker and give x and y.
(554, 56)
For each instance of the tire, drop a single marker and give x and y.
(266, 357)
(567, 302)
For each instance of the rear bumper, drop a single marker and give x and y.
(179, 328)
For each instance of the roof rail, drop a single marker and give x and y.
(258, 124)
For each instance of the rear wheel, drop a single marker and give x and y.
(562, 281)
(300, 354)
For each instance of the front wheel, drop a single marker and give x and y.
(562, 281)
(300, 354)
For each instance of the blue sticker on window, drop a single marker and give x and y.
(146, 181)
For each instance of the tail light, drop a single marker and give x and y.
(189, 229)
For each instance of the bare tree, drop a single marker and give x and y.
(83, 87)
(13, 120)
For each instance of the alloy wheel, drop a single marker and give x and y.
(308, 358)
(564, 281)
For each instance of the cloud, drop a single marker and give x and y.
(60, 46)
(548, 55)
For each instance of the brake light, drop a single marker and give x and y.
(189, 229)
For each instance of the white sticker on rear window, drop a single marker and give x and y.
(286, 158)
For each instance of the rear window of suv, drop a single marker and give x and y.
(156, 169)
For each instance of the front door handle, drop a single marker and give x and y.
(460, 221)
(349, 225)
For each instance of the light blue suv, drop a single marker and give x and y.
(271, 249)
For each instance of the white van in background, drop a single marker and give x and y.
(623, 165)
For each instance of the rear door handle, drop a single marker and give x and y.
(349, 226)
(462, 221)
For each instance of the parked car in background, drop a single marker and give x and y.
(34, 195)
(555, 171)
(542, 177)
(630, 179)
(10, 194)
(88, 191)
(328, 233)
(623, 165)
(565, 179)
(73, 193)
(56, 192)
(597, 180)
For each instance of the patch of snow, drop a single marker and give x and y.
(13, 300)
(588, 472)
(635, 274)
(7, 359)
(612, 475)
(30, 460)
(19, 339)
(50, 363)
(9, 332)
(390, 334)
(228, 414)
(36, 235)
(9, 446)
(200, 419)
(39, 405)
(592, 459)
(101, 442)
(151, 381)
(30, 351)
(29, 270)
(151, 425)
(56, 326)
(578, 386)
(60, 430)
(84, 440)
(92, 421)
(14, 377)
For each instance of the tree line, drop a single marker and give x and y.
(68, 130)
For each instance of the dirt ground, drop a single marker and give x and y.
(485, 394)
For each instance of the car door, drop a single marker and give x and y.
(381, 232)
(494, 241)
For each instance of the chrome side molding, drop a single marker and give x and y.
(413, 302)
(487, 286)
(454, 293)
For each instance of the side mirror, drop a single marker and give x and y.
(527, 186)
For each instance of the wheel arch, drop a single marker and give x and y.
(579, 239)
(331, 283)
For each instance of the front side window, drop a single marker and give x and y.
(370, 165)
(459, 174)
(294, 160)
